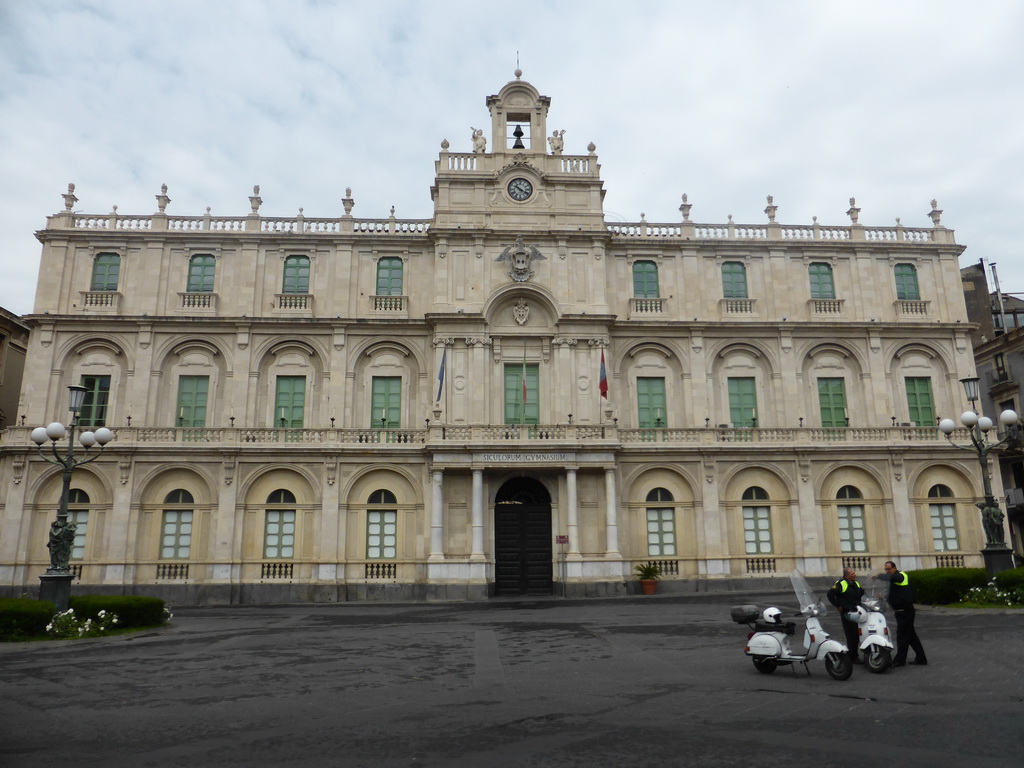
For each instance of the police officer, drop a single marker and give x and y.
(901, 598)
(845, 595)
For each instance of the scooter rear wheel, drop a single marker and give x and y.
(765, 666)
(878, 659)
(838, 665)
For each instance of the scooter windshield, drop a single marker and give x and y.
(808, 602)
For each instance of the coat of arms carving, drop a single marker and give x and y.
(520, 256)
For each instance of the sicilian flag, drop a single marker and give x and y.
(603, 384)
(440, 374)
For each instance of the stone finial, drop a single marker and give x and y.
(771, 208)
(591, 147)
(444, 145)
(347, 201)
(685, 208)
(854, 211)
(392, 211)
(518, 73)
(69, 198)
(255, 201)
(935, 214)
(162, 199)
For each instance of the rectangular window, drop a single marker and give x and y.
(517, 131)
(852, 537)
(661, 533)
(757, 530)
(279, 534)
(919, 401)
(200, 274)
(389, 277)
(296, 275)
(734, 280)
(176, 535)
(105, 271)
(944, 535)
(832, 402)
(742, 402)
(80, 519)
(192, 396)
(650, 397)
(290, 402)
(645, 280)
(97, 397)
(522, 393)
(381, 534)
(822, 286)
(386, 403)
(906, 282)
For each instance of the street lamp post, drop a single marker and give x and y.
(55, 584)
(998, 556)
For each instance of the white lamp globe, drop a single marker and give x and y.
(1008, 418)
(968, 418)
(946, 426)
(985, 424)
(55, 431)
(103, 435)
(39, 435)
(88, 439)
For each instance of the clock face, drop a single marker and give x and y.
(520, 189)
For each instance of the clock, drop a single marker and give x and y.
(520, 189)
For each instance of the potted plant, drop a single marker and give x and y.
(648, 574)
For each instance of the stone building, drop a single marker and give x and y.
(513, 396)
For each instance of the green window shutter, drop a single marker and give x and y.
(296, 275)
(734, 280)
(650, 400)
(200, 274)
(193, 392)
(832, 402)
(514, 403)
(97, 397)
(742, 401)
(906, 282)
(920, 405)
(290, 401)
(386, 402)
(389, 277)
(822, 286)
(105, 271)
(645, 280)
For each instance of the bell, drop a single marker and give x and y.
(518, 133)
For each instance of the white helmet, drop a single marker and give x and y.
(772, 616)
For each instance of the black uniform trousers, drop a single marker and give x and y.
(852, 637)
(906, 636)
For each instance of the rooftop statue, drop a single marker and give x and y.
(479, 140)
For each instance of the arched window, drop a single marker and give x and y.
(279, 526)
(296, 275)
(822, 285)
(381, 526)
(661, 524)
(943, 517)
(852, 534)
(389, 277)
(906, 282)
(734, 280)
(200, 273)
(105, 271)
(645, 280)
(78, 515)
(176, 530)
(757, 522)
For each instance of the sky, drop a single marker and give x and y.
(894, 103)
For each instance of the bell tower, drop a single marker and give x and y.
(518, 118)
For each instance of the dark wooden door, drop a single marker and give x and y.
(522, 539)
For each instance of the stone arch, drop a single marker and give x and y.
(255, 494)
(687, 533)
(388, 359)
(44, 500)
(649, 358)
(831, 360)
(86, 356)
(743, 360)
(152, 501)
(293, 358)
(919, 360)
(190, 357)
(543, 310)
(780, 501)
(965, 497)
(877, 516)
(407, 508)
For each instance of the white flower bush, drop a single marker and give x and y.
(67, 625)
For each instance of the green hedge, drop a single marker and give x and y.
(1013, 579)
(23, 619)
(131, 611)
(944, 586)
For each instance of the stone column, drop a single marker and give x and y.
(611, 514)
(572, 517)
(437, 516)
(478, 515)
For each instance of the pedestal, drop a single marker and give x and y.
(998, 557)
(56, 588)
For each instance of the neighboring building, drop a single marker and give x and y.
(13, 344)
(283, 431)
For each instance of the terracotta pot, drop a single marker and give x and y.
(648, 586)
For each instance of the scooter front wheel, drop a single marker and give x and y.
(878, 659)
(765, 666)
(838, 665)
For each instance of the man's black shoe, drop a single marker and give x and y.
(919, 663)
(897, 663)
(857, 660)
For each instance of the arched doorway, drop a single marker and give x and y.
(522, 538)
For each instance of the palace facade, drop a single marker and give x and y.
(514, 396)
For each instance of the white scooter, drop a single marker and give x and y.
(873, 630)
(769, 646)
